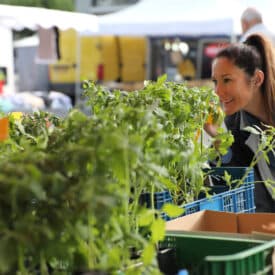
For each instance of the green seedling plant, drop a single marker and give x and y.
(70, 188)
(64, 199)
(168, 117)
(266, 146)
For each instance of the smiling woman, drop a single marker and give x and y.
(244, 78)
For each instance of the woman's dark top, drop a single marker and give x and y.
(241, 153)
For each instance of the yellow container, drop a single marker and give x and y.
(4, 128)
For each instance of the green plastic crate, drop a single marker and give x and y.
(219, 255)
(256, 260)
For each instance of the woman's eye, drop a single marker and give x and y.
(214, 81)
(226, 80)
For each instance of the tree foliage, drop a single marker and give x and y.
(50, 4)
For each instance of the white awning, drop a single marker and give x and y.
(19, 17)
(173, 17)
(183, 17)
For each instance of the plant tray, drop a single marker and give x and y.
(237, 200)
(160, 198)
(216, 176)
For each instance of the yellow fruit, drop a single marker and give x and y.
(197, 135)
(216, 117)
(16, 115)
(209, 119)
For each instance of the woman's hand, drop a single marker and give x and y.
(269, 227)
(211, 129)
(214, 121)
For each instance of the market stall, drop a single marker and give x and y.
(36, 19)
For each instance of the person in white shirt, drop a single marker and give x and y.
(252, 22)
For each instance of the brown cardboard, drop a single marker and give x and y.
(221, 222)
(254, 221)
(205, 221)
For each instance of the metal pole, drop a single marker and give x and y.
(148, 59)
(77, 69)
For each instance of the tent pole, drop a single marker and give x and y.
(233, 38)
(148, 58)
(77, 69)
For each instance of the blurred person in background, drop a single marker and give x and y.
(252, 22)
(244, 78)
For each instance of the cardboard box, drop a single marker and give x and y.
(224, 223)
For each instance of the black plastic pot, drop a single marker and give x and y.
(167, 261)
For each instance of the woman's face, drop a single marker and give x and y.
(231, 85)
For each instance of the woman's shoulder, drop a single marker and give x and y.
(241, 120)
(232, 121)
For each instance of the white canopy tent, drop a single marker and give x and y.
(183, 17)
(19, 17)
(164, 18)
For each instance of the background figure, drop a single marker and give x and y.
(252, 22)
(187, 69)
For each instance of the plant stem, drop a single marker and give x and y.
(126, 185)
(153, 196)
(43, 265)
(21, 262)
(263, 148)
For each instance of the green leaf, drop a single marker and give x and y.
(146, 217)
(148, 254)
(172, 210)
(227, 178)
(252, 130)
(158, 230)
(167, 183)
(8, 254)
(114, 256)
(162, 79)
